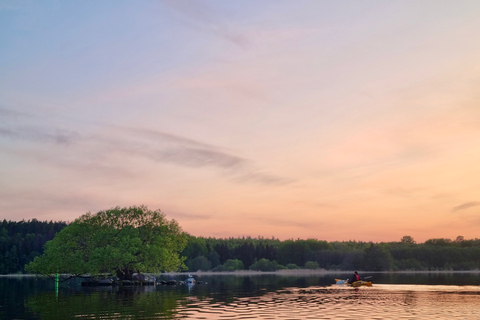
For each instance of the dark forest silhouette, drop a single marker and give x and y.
(21, 242)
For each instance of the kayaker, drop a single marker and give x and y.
(355, 277)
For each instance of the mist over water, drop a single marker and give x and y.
(393, 296)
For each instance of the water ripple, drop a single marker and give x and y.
(331, 303)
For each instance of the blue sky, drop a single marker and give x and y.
(333, 120)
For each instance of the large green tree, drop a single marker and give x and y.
(121, 241)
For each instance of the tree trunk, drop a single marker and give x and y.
(124, 274)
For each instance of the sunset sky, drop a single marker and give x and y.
(334, 120)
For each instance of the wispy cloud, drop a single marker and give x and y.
(33, 133)
(7, 132)
(200, 15)
(164, 147)
(155, 145)
(24, 126)
(466, 206)
(9, 114)
(168, 148)
(252, 176)
(191, 157)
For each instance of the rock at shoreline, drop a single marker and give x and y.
(137, 279)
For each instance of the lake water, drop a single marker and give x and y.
(228, 297)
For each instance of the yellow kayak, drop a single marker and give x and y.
(354, 284)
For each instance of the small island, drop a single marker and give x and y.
(123, 242)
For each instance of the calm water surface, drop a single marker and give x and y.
(393, 296)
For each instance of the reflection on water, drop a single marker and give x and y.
(246, 297)
(335, 303)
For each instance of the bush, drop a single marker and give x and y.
(311, 265)
(219, 268)
(199, 263)
(233, 264)
(266, 265)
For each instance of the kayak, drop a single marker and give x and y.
(360, 283)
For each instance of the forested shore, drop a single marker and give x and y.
(21, 242)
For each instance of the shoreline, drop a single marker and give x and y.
(309, 272)
(296, 272)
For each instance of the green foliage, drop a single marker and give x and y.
(378, 258)
(266, 265)
(352, 259)
(119, 240)
(21, 242)
(195, 247)
(199, 263)
(230, 265)
(311, 265)
(293, 251)
(407, 240)
(233, 265)
(214, 258)
(411, 265)
(441, 242)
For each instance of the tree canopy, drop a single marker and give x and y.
(121, 241)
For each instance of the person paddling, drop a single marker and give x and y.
(355, 277)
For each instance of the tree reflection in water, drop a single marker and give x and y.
(256, 297)
(107, 302)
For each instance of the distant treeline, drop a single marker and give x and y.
(21, 241)
(272, 254)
